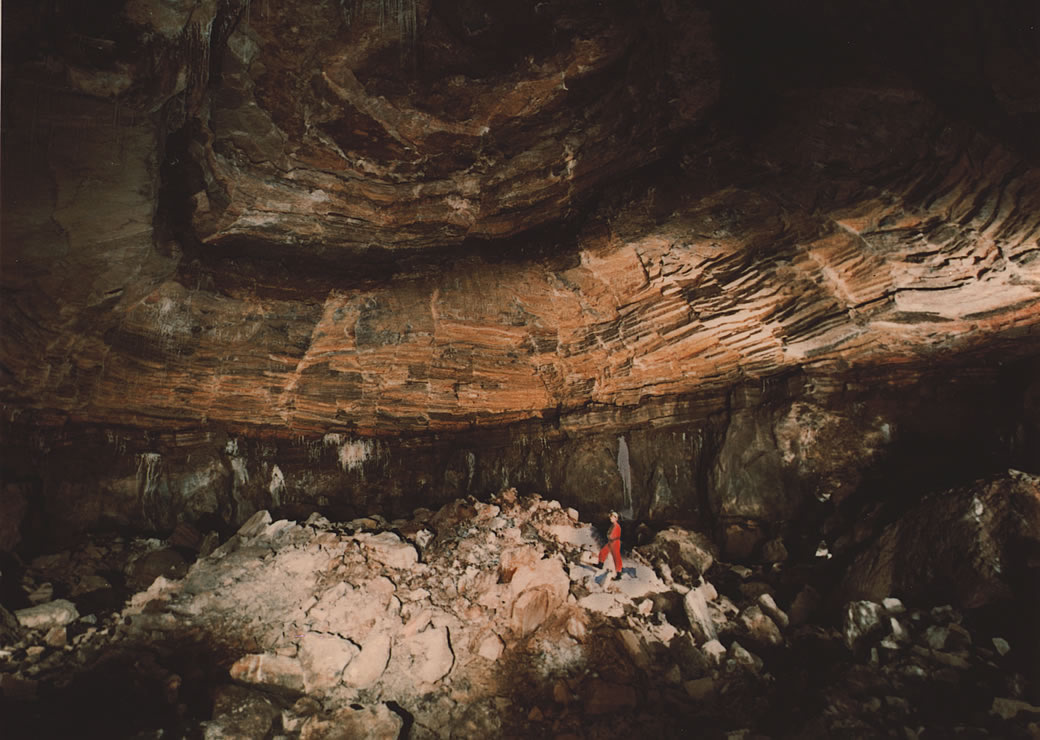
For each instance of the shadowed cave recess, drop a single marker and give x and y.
(332, 332)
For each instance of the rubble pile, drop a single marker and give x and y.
(482, 619)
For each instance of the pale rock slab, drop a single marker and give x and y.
(431, 654)
(701, 623)
(491, 648)
(56, 613)
(323, 658)
(389, 549)
(365, 669)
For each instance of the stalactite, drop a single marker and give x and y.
(403, 13)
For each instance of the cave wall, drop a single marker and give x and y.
(733, 265)
(791, 458)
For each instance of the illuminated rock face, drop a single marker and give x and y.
(337, 236)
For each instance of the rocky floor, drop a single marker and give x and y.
(478, 620)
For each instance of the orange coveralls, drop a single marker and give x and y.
(613, 546)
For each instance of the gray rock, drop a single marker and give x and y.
(701, 624)
(862, 620)
(255, 524)
(768, 605)
(761, 630)
(10, 628)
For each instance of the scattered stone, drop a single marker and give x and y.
(935, 637)
(715, 651)
(56, 613)
(768, 605)
(761, 630)
(701, 623)
(576, 627)
(387, 548)
(743, 657)
(323, 658)
(862, 619)
(56, 637)
(893, 605)
(239, 713)
(255, 524)
(1001, 646)
(431, 654)
(491, 648)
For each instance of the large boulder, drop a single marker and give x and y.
(969, 546)
(694, 551)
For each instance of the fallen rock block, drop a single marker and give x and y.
(389, 549)
(268, 669)
(701, 623)
(862, 619)
(56, 613)
(365, 669)
(255, 524)
(323, 658)
(431, 655)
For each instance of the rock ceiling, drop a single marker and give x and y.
(422, 215)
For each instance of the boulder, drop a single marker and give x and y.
(10, 627)
(255, 524)
(862, 619)
(56, 613)
(768, 605)
(965, 547)
(323, 658)
(268, 669)
(367, 667)
(761, 630)
(430, 654)
(389, 549)
(694, 551)
(701, 624)
(491, 648)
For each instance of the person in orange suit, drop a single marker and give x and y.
(613, 545)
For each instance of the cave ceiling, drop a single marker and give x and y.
(427, 215)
